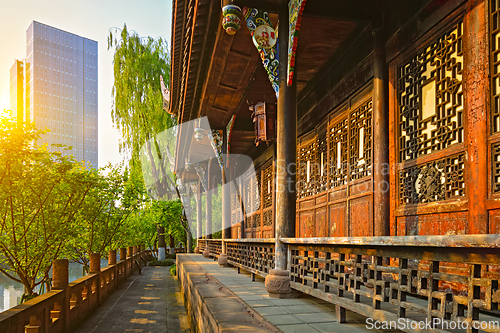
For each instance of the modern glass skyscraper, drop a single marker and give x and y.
(61, 88)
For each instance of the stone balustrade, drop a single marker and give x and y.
(68, 304)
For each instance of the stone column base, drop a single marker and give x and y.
(206, 254)
(278, 284)
(197, 250)
(222, 260)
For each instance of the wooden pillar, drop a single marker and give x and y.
(199, 213)
(380, 136)
(208, 206)
(278, 281)
(199, 216)
(226, 195)
(477, 94)
(286, 146)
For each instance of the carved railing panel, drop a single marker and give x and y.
(430, 97)
(449, 283)
(254, 257)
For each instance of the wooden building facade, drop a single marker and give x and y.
(393, 121)
(442, 113)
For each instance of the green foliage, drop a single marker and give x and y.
(102, 219)
(166, 262)
(137, 98)
(41, 193)
(138, 112)
(173, 270)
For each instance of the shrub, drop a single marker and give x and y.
(173, 270)
(167, 262)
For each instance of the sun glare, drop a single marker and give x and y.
(5, 108)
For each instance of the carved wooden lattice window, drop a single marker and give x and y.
(322, 159)
(268, 218)
(308, 169)
(360, 141)
(268, 187)
(434, 181)
(252, 200)
(430, 97)
(495, 152)
(338, 153)
(495, 65)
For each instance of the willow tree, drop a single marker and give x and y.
(137, 110)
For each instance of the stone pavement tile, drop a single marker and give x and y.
(304, 308)
(291, 301)
(341, 328)
(317, 317)
(251, 297)
(269, 310)
(285, 319)
(263, 302)
(299, 328)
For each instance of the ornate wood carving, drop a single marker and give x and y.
(495, 64)
(338, 153)
(430, 97)
(434, 181)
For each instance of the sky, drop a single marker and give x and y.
(90, 19)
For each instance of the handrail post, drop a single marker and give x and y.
(112, 262)
(60, 280)
(95, 268)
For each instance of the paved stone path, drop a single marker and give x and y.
(298, 315)
(140, 305)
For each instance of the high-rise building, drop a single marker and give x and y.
(17, 90)
(60, 85)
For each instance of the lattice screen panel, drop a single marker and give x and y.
(360, 141)
(322, 160)
(495, 159)
(430, 97)
(338, 153)
(434, 181)
(307, 170)
(268, 189)
(495, 64)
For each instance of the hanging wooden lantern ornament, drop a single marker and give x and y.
(264, 120)
(231, 17)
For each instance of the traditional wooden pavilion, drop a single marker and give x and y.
(392, 116)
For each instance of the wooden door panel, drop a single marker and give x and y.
(338, 220)
(321, 222)
(361, 211)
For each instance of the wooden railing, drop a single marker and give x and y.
(61, 310)
(442, 278)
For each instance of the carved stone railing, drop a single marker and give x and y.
(413, 278)
(63, 309)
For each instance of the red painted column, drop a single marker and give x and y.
(476, 86)
(380, 137)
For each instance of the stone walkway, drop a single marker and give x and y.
(298, 315)
(141, 305)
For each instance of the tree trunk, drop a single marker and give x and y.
(161, 243)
